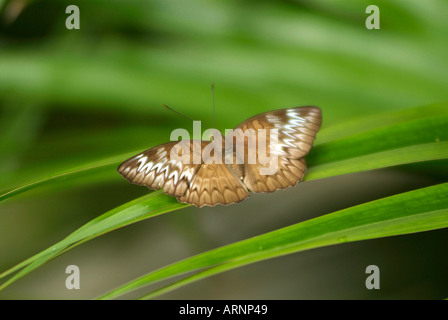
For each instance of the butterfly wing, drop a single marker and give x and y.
(214, 184)
(199, 184)
(288, 173)
(297, 128)
(155, 169)
(202, 184)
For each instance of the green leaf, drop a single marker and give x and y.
(415, 211)
(411, 154)
(145, 207)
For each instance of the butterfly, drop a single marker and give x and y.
(207, 183)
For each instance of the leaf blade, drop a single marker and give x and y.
(426, 209)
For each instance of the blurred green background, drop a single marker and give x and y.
(71, 97)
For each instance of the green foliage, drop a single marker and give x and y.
(414, 211)
(74, 104)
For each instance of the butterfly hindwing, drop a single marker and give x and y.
(214, 184)
(289, 172)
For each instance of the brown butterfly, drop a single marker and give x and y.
(207, 183)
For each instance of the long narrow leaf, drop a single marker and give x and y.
(145, 207)
(415, 211)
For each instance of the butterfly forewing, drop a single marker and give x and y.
(155, 169)
(297, 128)
(214, 184)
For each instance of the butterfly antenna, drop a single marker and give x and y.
(213, 99)
(169, 108)
(183, 115)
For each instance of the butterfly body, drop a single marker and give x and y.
(206, 173)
